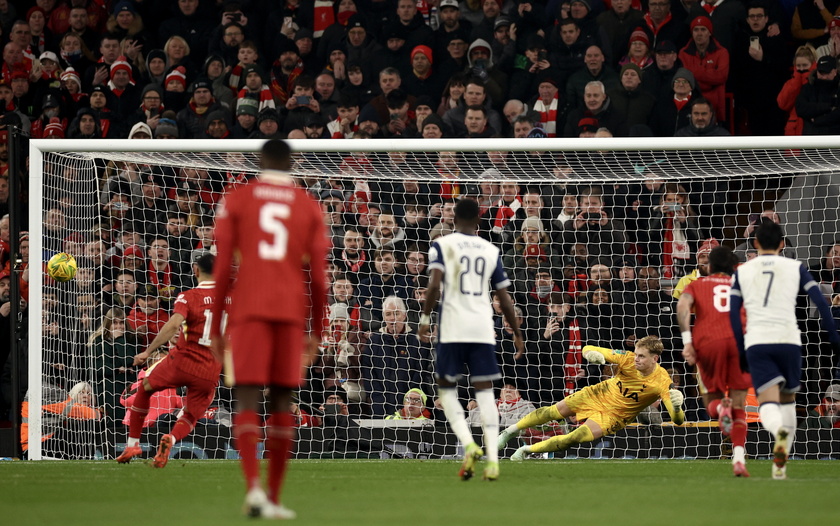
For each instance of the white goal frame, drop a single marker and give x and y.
(39, 147)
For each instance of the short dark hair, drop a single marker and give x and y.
(276, 154)
(722, 259)
(478, 107)
(304, 81)
(346, 100)
(205, 263)
(769, 234)
(466, 210)
(396, 99)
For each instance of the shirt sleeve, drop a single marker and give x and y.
(499, 279)
(181, 306)
(436, 257)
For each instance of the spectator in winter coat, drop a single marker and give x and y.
(817, 102)
(708, 60)
(804, 62)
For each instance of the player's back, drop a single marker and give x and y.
(193, 347)
(711, 308)
(769, 286)
(274, 229)
(470, 265)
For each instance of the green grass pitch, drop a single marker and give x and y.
(407, 492)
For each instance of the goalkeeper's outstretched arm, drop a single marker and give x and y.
(600, 355)
(673, 400)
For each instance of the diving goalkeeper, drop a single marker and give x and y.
(609, 406)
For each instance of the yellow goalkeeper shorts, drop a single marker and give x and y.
(589, 407)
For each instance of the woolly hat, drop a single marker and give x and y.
(707, 246)
(419, 391)
(425, 50)
(124, 5)
(632, 66)
(152, 86)
(532, 222)
(140, 127)
(178, 74)
(683, 73)
(534, 251)
(303, 33)
(247, 106)
(584, 2)
(368, 113)
(268, 114)
(134, 251)
(121, 63)
(166, 127)
(19, 72)
(339, 311)
(202, 83)
(704, 21)
(639, 35)
(71, 74)
(251, 68)
(54, 129)
(216, 115)
(434, 120)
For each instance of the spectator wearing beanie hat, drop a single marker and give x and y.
(708, 60)
(151, 107)
(629, 98)
(254, 88)
(550, 104)
(268, 125)
(166, 129)
(175, 96)
(284, 71)
(141, 130)
(246, 119)
(639, 50)
(99, 99)
(85, 125)
(217, 126)
(727, 18)
(424, 78)
(192, 120)
(71, 89)
(671, 112)
(125, 94)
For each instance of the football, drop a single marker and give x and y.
(62, 267)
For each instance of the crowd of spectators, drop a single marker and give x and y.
(424, 68)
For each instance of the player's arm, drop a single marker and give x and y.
(166, 333)
(684, 307)
(673, 400)
(221, 272)
(735, 303)
(436, 270)
(600, 355)
(810, 286)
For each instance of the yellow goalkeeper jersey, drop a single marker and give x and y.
(628, 392)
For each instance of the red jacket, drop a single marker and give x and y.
(787, 100)
(711, 71)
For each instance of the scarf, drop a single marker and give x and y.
(334, 127)
(278, 89)
(199, 110)
(233, 80)
(324, 17)
(354, 267)
(710, 8)
(654, 28)
(574, 357)
(548, 115)
(263, 97)
(504, 213)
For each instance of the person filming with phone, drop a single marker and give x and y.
(674, 233)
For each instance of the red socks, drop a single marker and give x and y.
(139, 410)
(248, 434)
(183, 426)
(713, 408)
(278, 444)
(739, 427)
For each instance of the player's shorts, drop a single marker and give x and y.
(479, 358)
(720, 367)
(200, 391)
(586, 405)
(775, 364)
(266, 353)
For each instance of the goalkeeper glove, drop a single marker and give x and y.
(594, 357)
(676, 398)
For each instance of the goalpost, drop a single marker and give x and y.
(82, 192)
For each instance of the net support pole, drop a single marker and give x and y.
(36, 195)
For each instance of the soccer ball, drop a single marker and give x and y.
(62, 267)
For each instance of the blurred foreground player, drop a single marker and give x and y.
(711, 346)
(190, 364)
(462, 265)
(767, 286)
(274, 231)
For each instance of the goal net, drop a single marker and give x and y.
(596, 236)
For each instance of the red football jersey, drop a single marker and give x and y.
(192, 352)
(275, 232)
(711, 309)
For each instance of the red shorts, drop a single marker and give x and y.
(200, 391)
(719, 367)
(266, 353)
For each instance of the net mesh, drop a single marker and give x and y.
(594, 242)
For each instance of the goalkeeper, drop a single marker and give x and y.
(609, 406)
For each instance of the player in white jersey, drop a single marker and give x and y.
(767, 286)
(461, 265)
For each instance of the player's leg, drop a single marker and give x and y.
(140, 408)
(539, 416)
(280, 434)
(199, 395)
(739, 432)
(589, 431)
(247, 435)
(489, 413)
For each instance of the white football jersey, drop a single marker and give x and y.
(769, 286)
(469, 263)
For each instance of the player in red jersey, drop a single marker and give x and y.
(275, 232)
(191, 363)
(711, 345)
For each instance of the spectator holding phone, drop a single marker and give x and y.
(151, 107)
(674, 233)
